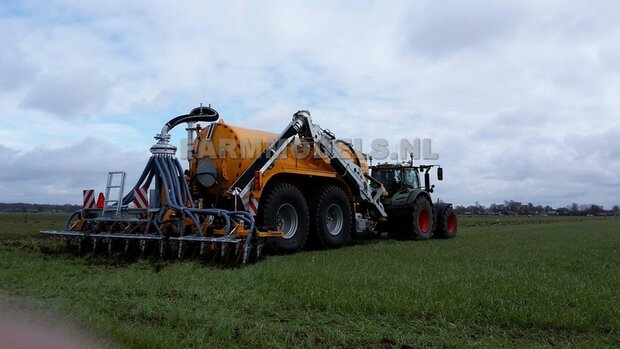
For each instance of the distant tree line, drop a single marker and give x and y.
(510, 207)
(37, 208)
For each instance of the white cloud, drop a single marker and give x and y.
(69, 95)
(440, 28)
(15, 71)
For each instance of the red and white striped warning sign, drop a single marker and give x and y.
(89, 198)
(140, 198)
(252, 205)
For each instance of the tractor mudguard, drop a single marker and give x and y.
(402, 199)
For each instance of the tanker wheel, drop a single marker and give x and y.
(414, 222)
(331, 217)
(284, 208)
(446, 224)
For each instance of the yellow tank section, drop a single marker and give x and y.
(232, 149)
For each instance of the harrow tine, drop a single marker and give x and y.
(95, 242)
(126, 246)
(162, 248)
(246, 253)
(142, 247)
(109, 246)
(259, 250)
(202, 248)
(181, 249)
(226, 255)
(223, 250)
(215, 252)
(238, 254)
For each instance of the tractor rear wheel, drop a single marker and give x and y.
(414, 222)
(446, 224)
(284, 208)
(331, 217)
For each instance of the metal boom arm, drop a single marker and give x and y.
(325, 143)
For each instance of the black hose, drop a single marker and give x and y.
(188, 194)
(206, 114)
(171, 198)
(177, 172)
(175, 191)
(215, 213)
(147, 169)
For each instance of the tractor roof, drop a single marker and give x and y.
(391, 166)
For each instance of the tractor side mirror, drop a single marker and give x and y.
(439, 173)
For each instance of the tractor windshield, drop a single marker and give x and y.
(394, 178)
(410, 178)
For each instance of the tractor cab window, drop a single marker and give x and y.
(410, 178)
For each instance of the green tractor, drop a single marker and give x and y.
(411, 212)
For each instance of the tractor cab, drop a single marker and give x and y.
(396, 177)
(404, 177)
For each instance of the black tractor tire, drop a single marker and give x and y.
(446, 227)
(331, 217)
(413, 222)
(285, 208)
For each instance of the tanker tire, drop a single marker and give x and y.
(284, 206)
(447, 226)
(331, 216)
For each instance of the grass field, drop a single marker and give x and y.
(504, 282)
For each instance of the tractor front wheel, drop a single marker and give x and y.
(422, 226)
(412, 222)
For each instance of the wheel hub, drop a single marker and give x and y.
(334, 219)
(424, 221)
(287, 220)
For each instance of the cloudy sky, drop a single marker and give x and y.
(520, 99)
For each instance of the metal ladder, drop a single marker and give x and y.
(111, 205)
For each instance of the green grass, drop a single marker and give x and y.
(516, 282)
(26, 225)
